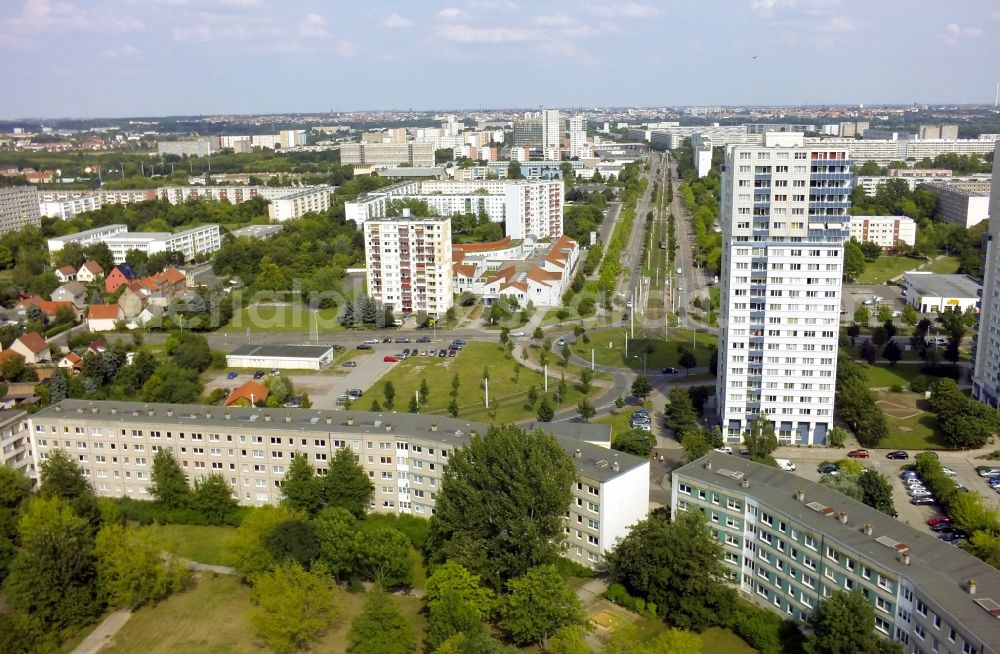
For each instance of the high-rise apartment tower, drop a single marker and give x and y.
(986, 373)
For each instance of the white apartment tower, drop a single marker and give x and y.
(578, 137)
(409, 263)
(784, 222)
(986, 373)
(551, 134)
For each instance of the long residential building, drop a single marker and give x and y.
(404, 454)
(789, 544)
(200, 147)
(885, 152)
(18, 208)
(299, 203)
(15, 441)
(203, 239)
(68, 208)
(986, 371)
(885, 231)
(784, 223)
(977, 183)
(958, 205)
(408, 263)
(385, 155)
(525, 207)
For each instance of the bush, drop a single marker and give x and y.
(567, 568)
(617, 594)
(219, 360)
(761, 629)
(919, 384)
(416, 529)
(895, 388)
(147, 513)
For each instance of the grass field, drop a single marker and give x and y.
(715, 640)
(886, 267)
(911, 425)
(271, 318)
(213, 618)
(609, 349)
(508, 387)
(944, 265)
(882, 375)
(203, 544)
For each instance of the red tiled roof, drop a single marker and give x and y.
(466, 269)
(67, 270)
(482, 247)
(104, 312)
(257, 390)
(48, 307)
(93, 267)
(34, 342)
(73, 358)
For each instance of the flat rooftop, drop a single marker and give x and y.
(937, 285)
(257, 231)
(939, 569)
(956, 190)
(282, 351)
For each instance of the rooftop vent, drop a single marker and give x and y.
(892, 544)
(313, 420)
(378, 423)
(288, 417)
(800, 495)
(603, 463)
(989, 605)
(732, 474)
(820, 508)
(970, 586)
(434, 426)
(577, 454)
(350, 420)
(616, 466)
(253, 417)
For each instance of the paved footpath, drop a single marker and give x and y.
(105, 631)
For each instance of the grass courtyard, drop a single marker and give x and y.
(911, 424)
(882, 375)
(886, 267)
(609, 349)
(509, 384)
(203, 544)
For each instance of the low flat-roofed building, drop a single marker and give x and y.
(929, 292)
(283, 357)
(257, 231)
(789, 543)
(610, 494)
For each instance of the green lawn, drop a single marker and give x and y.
(944, 265)
(283, 319)
(609, 349)
(509, 384)
(213, 618)
(204, 544)
(886, 267)
(914, 430)
(881, 375)
(715, 640)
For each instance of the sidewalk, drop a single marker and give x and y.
(104, 632)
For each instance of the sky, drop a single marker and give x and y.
(110, 58)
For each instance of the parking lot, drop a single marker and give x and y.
(855, 295)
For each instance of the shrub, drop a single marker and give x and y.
(895, 388)
(919, 384)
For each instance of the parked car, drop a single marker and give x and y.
(407, 351)
(942, 527)
(354, 393)
(670, 371)
(987, 471)
(919, 492)
(517, 334)
(785, 464)
(232, 374)
(897, 454)
(922, 501)
(350, 364)
(949, 472)
(364, 346)
(424, 353)
(442, 352)
(424, 339)
(372, 341)
(458, 342)
(561, 342)
(744, 451)
(390, 359)
(259, 374)
(342, 399)
(725, 449)
(828, 469)
(859, 454)
(938, 520)
(909, 474)
(452, 352)
(403, 339)
(275, 372)
(337, 348)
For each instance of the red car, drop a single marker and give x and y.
(390, 359)
(859, 454)
(938, 520)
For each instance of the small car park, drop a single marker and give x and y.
(897, 454)
(859, 454)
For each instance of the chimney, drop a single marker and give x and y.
(288, 417)
(970, 586)
(93, 409)
(329, 420)
(842, 517)
(906, 558)
(745, 483)
(170, 413)
(800, 495)
(208, 415)
(708, 465)
(267, 417)
(616, 466)
(59, 409)
(229, 415)
(578, 454)
(388, 426)
(114, 411)
(350, 420)
(434, 426)
(868, 529)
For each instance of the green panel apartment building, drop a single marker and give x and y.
(790, 543)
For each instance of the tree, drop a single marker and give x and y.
(389, 392)
(12, 366)
(514, 170)
(213, 499)
(862, 316)
(854, 261)
(871, 251)
(425, 391)
(868, 351)
(625, 639)
(246, 550)
(61, 477)
(641, 387)
(909, 315)
(58, 386)
(537, 604)
(876, 491)
(678, 565)
(346, 484)
(52, 577)
(381, 629)
(455, 383)
(843, 623)
(132, 570)
(170, 487)
(884, 313)
(633, 441)
(453, 408)
(679, 413)
(335, 530)
(585, 409)
(15, 488)
(293, 540)
(586, 380)
(502, 501)
(457, 603)
(189, 351)
(382, 555)
(545, 412)
(973, 427)
(301, 489)
(413, 406)
(760, 438)
(892, 353)
(687, 361)
(294, 607)
(565, 354)
(538, 334)
(836, 437)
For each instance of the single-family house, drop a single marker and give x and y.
(102, 317)
(249, 394)
(32, 347)
(163, 286)
(97, 346)
(47, 307)
(65, 274)
(89, 272)
(150, 316)
(72, 362)
(72, 291)
(120, 274)
(130, 302)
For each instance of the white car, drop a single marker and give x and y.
(725, 449)
(785, 464)
(372, 341)
(920, 493)
(517, 334)
(949, 472)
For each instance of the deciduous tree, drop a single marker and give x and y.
(537, 604)
(213, 499)
(381, 628)
(641, 387)
(301, 489)
(132, 569)
(457, 603)
(844, 623)
(170, 487)
(760, 438)
(246, 551)
(61, 477)
(346, 484)
(294, 607)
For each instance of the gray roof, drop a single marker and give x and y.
(940, 570)
(73, 287)
(257, 231)
(595, 463)
(8, 416)
(957, 190)
(936, 285)
(281, 351)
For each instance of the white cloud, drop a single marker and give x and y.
(471, 34)
(627, 10)
(122, 52)
(840, 24)
(313, 27)
(555, 20)
(957, 34)
(395, 21)
(45, 16)
(198, 3)
(494, 5)
(450, 12)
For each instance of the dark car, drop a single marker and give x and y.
(406, 352)
(364, 346)
(452, 352)
(338, 348)
(354, 393)
(350, 364)
(442, 352)
(259, 374)
(922, 500)
(670, 371)
(897, 454)
(950, 536)
(424, 339)
(828, 469)
(232, 375)
(942, 528)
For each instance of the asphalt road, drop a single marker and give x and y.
(690, 283)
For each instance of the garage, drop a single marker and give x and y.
(282, 357)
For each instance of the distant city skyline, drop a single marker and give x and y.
(114, 58)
